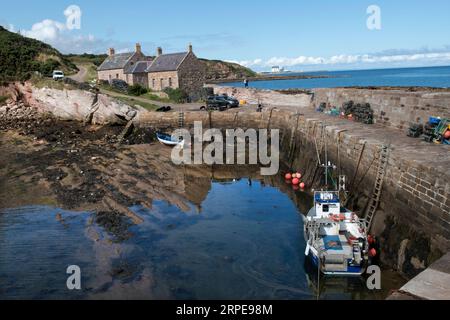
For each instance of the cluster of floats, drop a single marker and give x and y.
(337, 239)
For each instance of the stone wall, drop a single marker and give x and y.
(108, 75)
(413, 220)
(158, 81)
(139, 78)
(392, 108)
(192, 74)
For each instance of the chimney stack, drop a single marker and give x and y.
(159, 51)
(190, 47)
(111, 52)
(138, 48)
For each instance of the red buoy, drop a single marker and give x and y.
(447, 134)
(295, 181)
(288, 176)
(302, 185)
(372, 253)
(298, 175)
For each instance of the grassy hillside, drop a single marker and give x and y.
(219, 70)
(87, 58)
(21, 57)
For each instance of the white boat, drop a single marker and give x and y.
(336, 238)
(167, 140)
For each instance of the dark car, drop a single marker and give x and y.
(216, 103)
(232, 102)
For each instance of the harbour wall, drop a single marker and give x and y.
(413, 219)
(392, 108)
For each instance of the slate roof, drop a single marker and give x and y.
(139, 67)
(117, 61)
(167, 62)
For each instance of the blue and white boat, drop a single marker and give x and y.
(336, 238)
(167, 140)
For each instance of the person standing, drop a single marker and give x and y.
(246, 83)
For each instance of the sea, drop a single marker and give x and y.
(438, 77)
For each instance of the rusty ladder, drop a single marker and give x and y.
(381, 173)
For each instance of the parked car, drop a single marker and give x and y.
(232, 102)
(215, 103)
(58, 75)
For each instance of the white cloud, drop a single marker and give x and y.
(346, 60)
(63, 36)
(46, 30)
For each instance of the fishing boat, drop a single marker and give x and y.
(167, 140)
(337, 239)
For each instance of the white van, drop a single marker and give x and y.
(58, 75)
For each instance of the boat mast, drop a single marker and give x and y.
(326, 165)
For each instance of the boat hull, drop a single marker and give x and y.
(167, 141)
(351, 271)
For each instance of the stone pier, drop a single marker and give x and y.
(431, 284)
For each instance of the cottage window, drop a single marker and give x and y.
(162, 84)
(153, 83)
(170, 82)
(117, 76)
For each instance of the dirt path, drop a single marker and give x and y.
(81, 75)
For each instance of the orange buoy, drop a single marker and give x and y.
(372, 253)
(302, 185)
(295, 181)
(288, 176)
(447, 134)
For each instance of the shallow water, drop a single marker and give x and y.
(245, 241)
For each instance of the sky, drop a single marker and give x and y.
(295, 34)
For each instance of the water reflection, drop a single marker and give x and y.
(233, 235)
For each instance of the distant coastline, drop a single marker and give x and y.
(273, 78)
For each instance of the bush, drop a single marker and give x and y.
(176, 95)
(137, 90)
(47, 67)
(119, 85)
(3, 100)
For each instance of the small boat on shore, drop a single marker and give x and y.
(167, 140)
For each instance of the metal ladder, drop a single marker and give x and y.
(375, 200)
(181, 120)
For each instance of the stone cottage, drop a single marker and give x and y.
(177, 70)
(124, 66)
